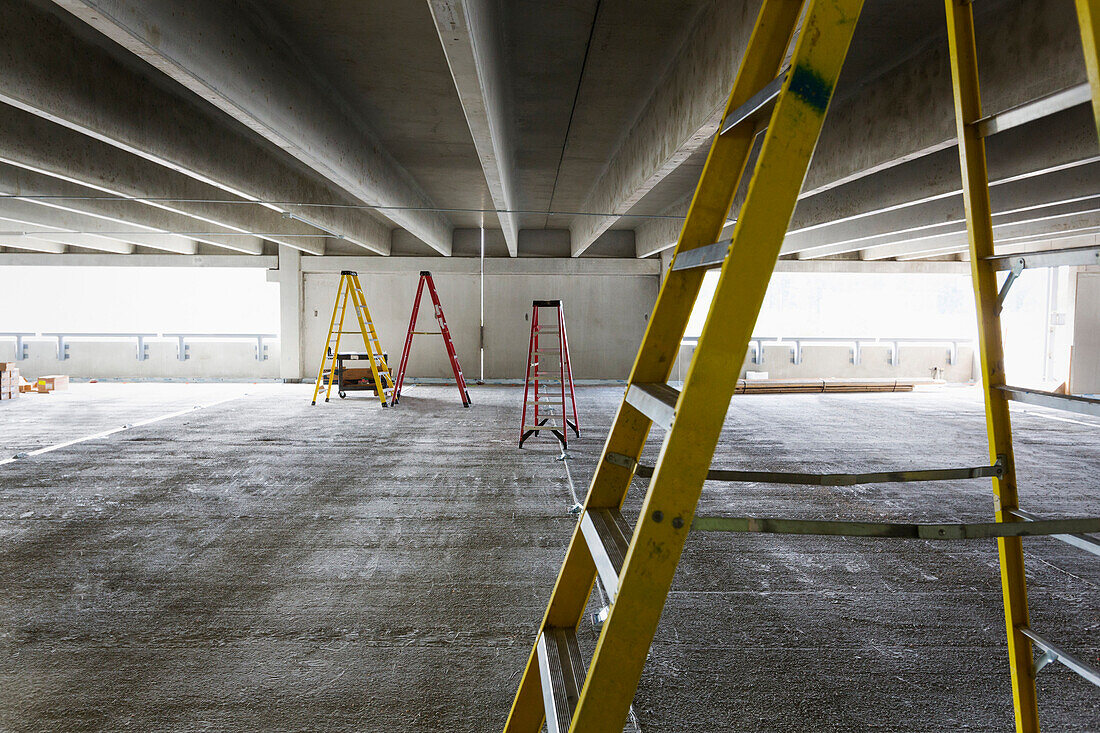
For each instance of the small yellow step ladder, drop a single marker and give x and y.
(351, 290)
(635, 565)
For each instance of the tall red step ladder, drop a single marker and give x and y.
(426, 277)
(548, 362)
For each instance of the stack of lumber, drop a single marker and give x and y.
(51, 383)
(9, 381)
(808, 386)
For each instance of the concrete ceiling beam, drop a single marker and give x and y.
(31, 244)
(49, 192)
(34, 215)
(50, 72)
(470, 33)
(68, 158)
(239, 62)
(16, 229)
(1004, 235)
(1073, 189)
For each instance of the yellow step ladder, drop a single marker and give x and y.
(636, 565)
(351, 290)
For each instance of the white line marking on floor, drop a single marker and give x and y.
(112, 431)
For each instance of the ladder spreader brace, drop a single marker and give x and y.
(635, 565)
(444, 331)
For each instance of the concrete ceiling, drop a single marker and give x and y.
(403, 124)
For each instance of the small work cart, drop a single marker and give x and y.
(353, 373)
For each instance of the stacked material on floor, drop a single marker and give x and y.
(9, 381)
(808, 386)
(51, 383)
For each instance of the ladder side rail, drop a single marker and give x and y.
(345, 287)
(1088, 16)
(537, 365)
(561, 375)
(366, 324)
(441, 319)
(527, 381)
(328, 340)
(726, 162)
(689, 445)
(400, 380)
(975, 184)
(567, 370)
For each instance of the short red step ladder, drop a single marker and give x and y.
(426, 277)
(548, 361)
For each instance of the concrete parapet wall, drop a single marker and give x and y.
(117, 359)
(834, 361)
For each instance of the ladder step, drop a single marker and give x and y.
(656, 401)
(562, 672)
(1070, 403)
(831, 479)
(608, 537)
(712, 255)
(758, 103)
(543, 427)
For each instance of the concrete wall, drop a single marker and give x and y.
(607, 305)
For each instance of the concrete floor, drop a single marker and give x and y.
(260, 564)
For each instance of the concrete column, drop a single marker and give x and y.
(289, 277)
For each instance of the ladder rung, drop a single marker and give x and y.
(540, 329)
(561, 669)
(544, 402)
(896, 530)
(712, 255)
(754, 104)
(1057, 654)
(1080, 541)
(540, 352)
(607, 535)
(656, 401)
(1070, 403)
(839, 479)
(543, 427)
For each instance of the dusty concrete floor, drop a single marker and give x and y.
(259, 564)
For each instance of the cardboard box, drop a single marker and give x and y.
(25, 386)
(6, 366)
(52, 382)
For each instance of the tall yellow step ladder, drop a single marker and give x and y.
(636, 565)
(351, 290)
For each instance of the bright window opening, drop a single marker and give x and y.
(138, 299)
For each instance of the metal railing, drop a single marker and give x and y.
(63, 338)
(795, 344)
